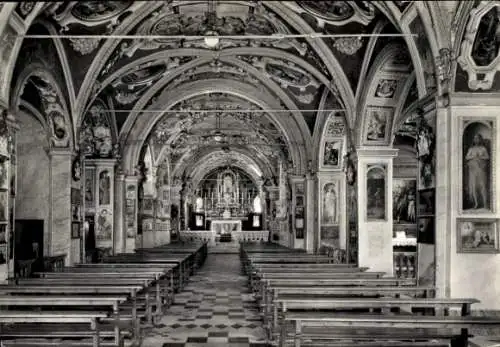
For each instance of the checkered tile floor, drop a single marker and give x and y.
(215, 309)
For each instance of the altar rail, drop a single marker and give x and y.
(236, 236)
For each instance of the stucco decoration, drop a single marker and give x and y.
(95, 134)
(479, 54)
(336, 13)
(7, 41)
(54, 111)
(172, 20)
(24, 8)
(90, 15)
(299, 82)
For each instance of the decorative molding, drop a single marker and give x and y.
(376, 153)
(479, 51)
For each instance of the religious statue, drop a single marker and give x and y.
(477, 160)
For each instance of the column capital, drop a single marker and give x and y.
(377, 152)
(55, 151)
(131, 179)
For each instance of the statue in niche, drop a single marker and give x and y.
(60, 136)
(329, 204)
(487, 43)
(104, 188)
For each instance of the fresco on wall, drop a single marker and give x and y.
(386, 88)
(89, 187)
(376, 188)
(130, 211)
(104, 225)
(104, 188)
(332, 153)
(330, 204)
(403, 200)
(477, 180)
(377, 125)
(424, 50)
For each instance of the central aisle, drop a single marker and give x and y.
(215, 309)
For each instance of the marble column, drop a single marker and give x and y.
(133, 240)
(119, 215)
(310, 223)
(375, 224)
(60, 202)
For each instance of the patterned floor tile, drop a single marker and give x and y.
(215, 309)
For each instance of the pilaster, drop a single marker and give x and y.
(60, 208)
(132, 239)
(375, 171)
(310, 232)
(119, 214)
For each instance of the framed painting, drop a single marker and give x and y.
(329, 203)
(426, 202)
(404, 195)
(299, 188)
(104, 225)
(377, 125)
(477, 236)
(426, 173)
(332, 154)
(425, 230)
(477, 188)
(147, 205)
(376, 192)
(90, 187)
(104, 188)
(330, 235)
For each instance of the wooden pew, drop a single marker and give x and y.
(109, 303)
(330, 322)
(88, 289)
(285, 304)
(91, 318)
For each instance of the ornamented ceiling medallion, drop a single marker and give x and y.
(336, 13)
(348, 45)
(479, 54)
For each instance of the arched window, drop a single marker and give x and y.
(257, 205)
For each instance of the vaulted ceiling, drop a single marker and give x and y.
(156, 72)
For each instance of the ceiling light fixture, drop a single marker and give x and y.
(211, 39)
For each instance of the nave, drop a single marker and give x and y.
(216, 308)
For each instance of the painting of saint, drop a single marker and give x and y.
(104, 188)
(425, 140)
(404, 200)
(426, 173)
(89, 188)
(377, 122)
(104, 225)
(386, 88)
(375, 189)
(330, 196)
(332, 153)
(476, 168)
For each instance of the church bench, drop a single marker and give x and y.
(111, 303)
(88, 289)
(328, 321)
(177, 272)
(304, 274)
(182, 275)
(91, 318)
(284, 304)
(289, 259)
(315, 282)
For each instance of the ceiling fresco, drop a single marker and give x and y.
(128, 73)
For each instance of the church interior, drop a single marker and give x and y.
(249, 173)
